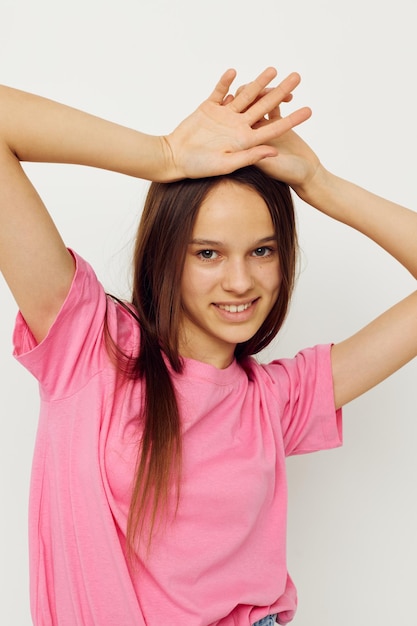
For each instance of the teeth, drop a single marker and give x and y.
(234, 308)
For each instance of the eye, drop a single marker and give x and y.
(207, 255)
(263, 251)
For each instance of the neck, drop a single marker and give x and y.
(218, 359)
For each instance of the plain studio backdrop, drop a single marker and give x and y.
(352, 546)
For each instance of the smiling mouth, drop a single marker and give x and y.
(235, 308)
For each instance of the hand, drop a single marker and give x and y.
(295, 162)
(223, 134)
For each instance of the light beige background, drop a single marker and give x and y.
(147, 63)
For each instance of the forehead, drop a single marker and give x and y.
(233, 208)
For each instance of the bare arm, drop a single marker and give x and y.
(387, 343)
(214, 139)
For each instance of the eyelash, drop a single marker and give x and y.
(201, 253)
(266, 249)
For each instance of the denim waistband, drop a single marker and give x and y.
(269, 620)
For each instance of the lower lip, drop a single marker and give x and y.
(241, 316)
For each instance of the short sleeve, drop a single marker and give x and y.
(303, 388)
(72, 351)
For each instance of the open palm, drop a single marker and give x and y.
(223, 134)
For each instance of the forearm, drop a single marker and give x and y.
(386, 344)
(38, 129)
(390, 225)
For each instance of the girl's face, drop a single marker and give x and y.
(231, 274)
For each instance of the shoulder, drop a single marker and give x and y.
(301, 390)
(76, 347)
(310, 369)
(310, 361)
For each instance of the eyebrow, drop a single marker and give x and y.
(211, 242)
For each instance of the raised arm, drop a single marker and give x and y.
(386, 344)
(215, 139)
(390, 341)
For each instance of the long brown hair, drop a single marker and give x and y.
(164, 232)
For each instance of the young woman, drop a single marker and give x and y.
(158, 491)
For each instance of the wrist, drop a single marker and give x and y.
(154, 160)
(169, 169)
(316, 187)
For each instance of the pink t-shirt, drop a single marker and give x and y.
(222, 559)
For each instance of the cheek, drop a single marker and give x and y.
(197, 280)
(192, 288)
(278, 281)
(271, 279)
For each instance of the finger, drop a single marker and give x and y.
(239, 90)
(275, 114)
(222, 88)
(260, 95)
(272, 98)
(248, 93)
(274, 129)
(236, 160)
(228, 99)
(288, 98)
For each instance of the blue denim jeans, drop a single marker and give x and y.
(269, 620)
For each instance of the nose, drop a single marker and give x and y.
(237, 277)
